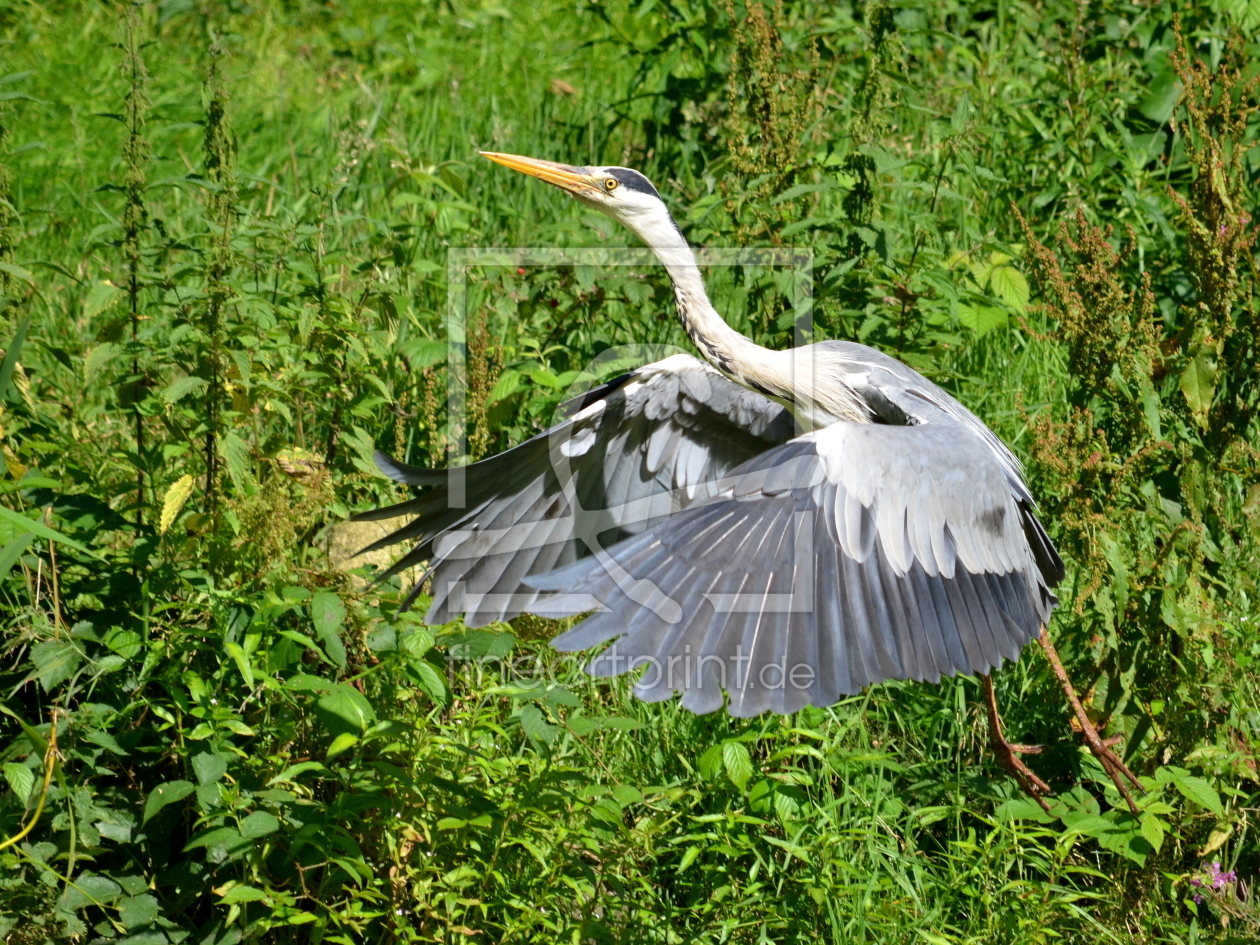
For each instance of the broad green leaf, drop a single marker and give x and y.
(243, 894)
(509, 383)
(430, 681)
(345, 710)
(543, 377)
(1198, 790)
(21, 779)
(1153, 830)
(1022, 808)
(182, 387)
(137, 911)
(227, 837)
(415, 642)
(1011, 286)
(105, 740)
(88, 889)
(536, 726)
(209, 767)
(981, 319)
(164, 794)
(100, 297)
(294, 771)
(423, 353)
(259, 824)
(1198, 384)
(235, 453)
(55, 662)
(737, 762)
(328, 613)
(710, 763)
(340, 745)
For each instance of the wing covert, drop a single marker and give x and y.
(850, 555)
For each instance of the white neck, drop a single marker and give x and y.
(726, 349)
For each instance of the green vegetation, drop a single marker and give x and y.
(223, 282)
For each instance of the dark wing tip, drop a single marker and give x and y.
(410, 475)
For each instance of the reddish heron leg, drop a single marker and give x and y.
(1100, 747)
(1008, 753)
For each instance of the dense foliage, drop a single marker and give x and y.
(226, 277)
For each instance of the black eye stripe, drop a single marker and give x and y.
(633, 180)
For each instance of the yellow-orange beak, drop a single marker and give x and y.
(564, 176)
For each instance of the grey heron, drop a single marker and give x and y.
(825, 514)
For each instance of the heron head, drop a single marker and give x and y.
(622, 193)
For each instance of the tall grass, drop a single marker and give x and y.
(229, 230)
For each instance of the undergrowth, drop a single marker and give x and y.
(223, 258)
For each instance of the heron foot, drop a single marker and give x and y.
(1008, 752)
(1099, 747)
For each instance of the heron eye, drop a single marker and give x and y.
(611, 183)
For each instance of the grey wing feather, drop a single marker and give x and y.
(854, 554)
(622, 457)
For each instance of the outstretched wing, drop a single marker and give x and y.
(631, 453)
(850, 555)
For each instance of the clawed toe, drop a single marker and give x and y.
(1008, 757)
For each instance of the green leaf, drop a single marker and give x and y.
(962, 113)
(345, 710)
(1022, 808)
(10, 553)
(543, 377)
(235, 453)
(259, 824)
(209, 767)
(97, 358)
(981, 319)
(424, 352)
(294, 771)
(88, 889)
(165, 794)
(55, 662)
(11, 354)
(430, 681)
(1011, 286)
(21, 779)
(17, 272)
(1198, 790)
(227, 837)
(509, 383)
(536, 726)
(1198, 384)
(688, 857)
(340, 745)
(304, 682)
(241, 659)
(182, 387)
(100, 297)
(43, 531)
(243, 894)
(328, 613)
(738, 763)
(137, 911)
(1153, 830)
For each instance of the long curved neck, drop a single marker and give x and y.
(739, 358)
